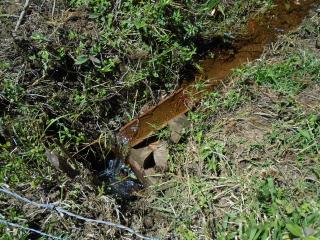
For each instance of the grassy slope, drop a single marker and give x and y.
(48, 80)
(222, 185)
(249, 166)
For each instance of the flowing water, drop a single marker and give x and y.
(261, 31)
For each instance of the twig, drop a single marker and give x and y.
(8, 15)
(26, 5)
(134, 105)
(116, 8)
(53, 8)
(15, 225)
(62, 211)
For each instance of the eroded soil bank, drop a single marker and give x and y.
(248, 166)
(261, 30)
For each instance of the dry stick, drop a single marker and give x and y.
(53, 8)
(22, 15)
(134, 105)
(52, 207)
(15, 225)
(8, 15)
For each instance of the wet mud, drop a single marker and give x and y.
(119, 182)
(261, 31)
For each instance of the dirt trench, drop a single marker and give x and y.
(262, 30)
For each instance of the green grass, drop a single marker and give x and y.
(249, 165)
(234, 175)
(68, 81)
(288, 76)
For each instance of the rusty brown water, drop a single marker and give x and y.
(261, 31)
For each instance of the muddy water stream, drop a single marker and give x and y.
(261, 31)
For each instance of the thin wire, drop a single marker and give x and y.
(60, 210)
(15, 225)
(22, 15)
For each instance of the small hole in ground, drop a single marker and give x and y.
(149, 162)
(146, 142)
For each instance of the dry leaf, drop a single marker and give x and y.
(212, 12)
(61, 164)
(53, 158)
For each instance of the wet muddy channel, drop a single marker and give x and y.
(261, 31)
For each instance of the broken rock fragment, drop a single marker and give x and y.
(177, 126)
(148, 161)
(160, 155)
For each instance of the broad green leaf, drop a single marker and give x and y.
(81, 60)
(294, 229)
(311, 238)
